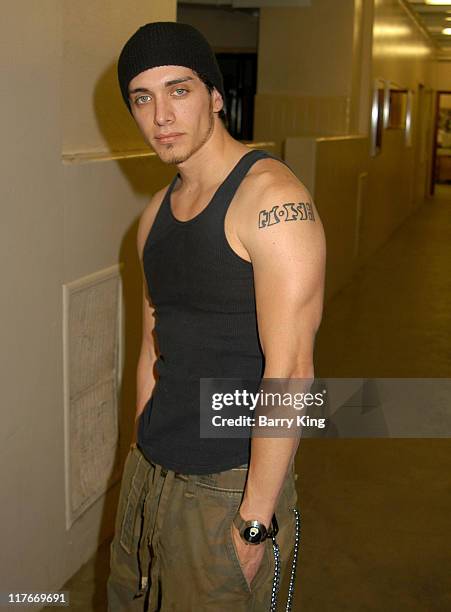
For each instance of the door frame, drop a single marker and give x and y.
(438, 93)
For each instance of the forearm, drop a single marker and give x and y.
(272, 458)
(270, 461)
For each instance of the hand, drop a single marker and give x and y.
(249, 555)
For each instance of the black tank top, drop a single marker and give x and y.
(205, 325)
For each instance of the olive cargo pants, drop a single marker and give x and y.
(173, 549)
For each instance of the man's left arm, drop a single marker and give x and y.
(285, 241)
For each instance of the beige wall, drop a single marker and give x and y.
(307, 50)
(94, 116)
(31, 246)
(445, 101)
(361, 76)
(443, 75)
(304, 84)
(401, 51)
(334, 169)
(60, 221)
(397, 180)
(224, 29)
(331, 98)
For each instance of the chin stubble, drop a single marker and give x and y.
(179, 159)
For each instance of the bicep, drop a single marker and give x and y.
(288, 260)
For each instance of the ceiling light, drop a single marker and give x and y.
(447, 18)
(446, 31)
(438, 2)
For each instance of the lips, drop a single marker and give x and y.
(165, 138)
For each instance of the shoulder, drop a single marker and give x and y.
(148, 217)
(270, 195)
(270, 181)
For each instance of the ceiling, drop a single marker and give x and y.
(433, 18)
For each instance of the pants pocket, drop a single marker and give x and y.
(262, 574)
(132, 496)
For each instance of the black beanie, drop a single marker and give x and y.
(166, 43)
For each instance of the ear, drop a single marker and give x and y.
(218, 102)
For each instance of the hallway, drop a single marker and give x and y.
(380, 508)
(393, 319)
(375, 513)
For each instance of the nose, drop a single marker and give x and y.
(163, 112)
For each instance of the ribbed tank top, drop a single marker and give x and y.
(205, 326)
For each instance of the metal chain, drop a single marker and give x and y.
(276, 579)
(297, 538)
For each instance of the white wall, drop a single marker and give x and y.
(60, 221)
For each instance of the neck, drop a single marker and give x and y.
(213, 161)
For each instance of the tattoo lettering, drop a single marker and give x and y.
(287, 212)
(268, 217)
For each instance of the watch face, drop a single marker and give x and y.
(253, 534)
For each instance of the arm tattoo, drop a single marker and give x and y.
(287, 212)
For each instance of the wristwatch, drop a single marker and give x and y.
(254, 532)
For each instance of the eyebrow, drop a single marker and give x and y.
(167, 84)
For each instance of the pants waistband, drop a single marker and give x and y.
(233, 478)
(197, 477)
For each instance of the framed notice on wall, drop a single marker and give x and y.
(92, 341)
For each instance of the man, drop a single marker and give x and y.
(233, 263)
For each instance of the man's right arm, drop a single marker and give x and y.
(145, 375)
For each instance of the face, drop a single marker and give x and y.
(174, 111)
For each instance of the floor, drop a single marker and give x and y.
(375, 513)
